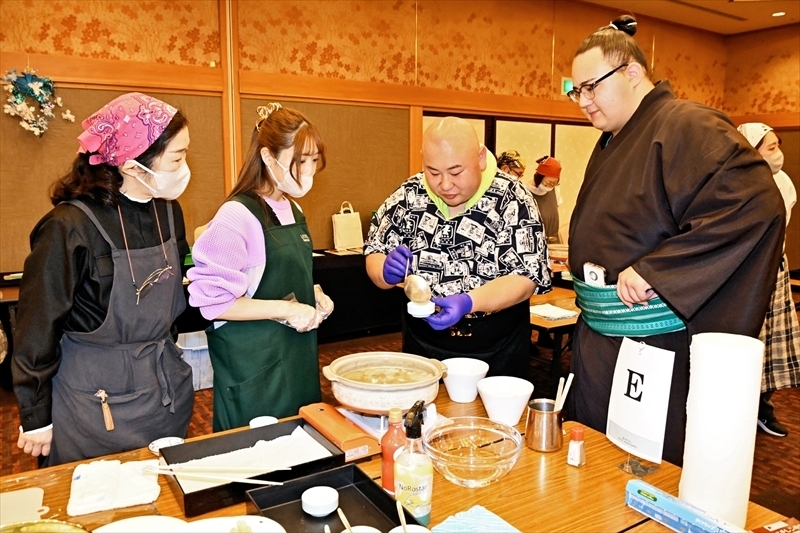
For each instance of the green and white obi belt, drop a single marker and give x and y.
(604, 312)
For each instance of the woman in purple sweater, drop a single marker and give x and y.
(252, 277)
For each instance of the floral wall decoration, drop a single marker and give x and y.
(28, 86)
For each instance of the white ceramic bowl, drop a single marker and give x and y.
(363, 529)
(505, 398)
(462, 377)
(320, 501)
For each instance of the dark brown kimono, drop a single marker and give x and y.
(682, 197)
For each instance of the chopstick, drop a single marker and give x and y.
(402, 515)
(214, 477)
(560, 390)
(563, 396)
(245, 469)
(344, 520)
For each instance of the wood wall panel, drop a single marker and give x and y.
(29, 165)
(367, 159)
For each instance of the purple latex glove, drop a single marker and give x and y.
(453, 308)
(394, 268)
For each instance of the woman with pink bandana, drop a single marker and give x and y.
(95, 367)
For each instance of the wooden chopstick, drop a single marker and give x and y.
(214, 477)
(245, 469)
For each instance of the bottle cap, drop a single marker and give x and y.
(576, 433)
(414, 421)
(395, 415)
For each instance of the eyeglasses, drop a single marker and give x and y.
(517, 172)
(160, 275)
(587, 90)
(157, 276)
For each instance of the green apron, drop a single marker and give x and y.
(262, 367)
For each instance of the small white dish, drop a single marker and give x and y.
(410, 528)
(363, 529)
(320, 501)
(261, 421)
(164, 442)
(162, 524)
(223, 524)
(420, 310)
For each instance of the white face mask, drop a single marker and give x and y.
(289, 185)
(169, 184)
(541, 190)
(775, 160)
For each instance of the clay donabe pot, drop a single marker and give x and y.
(368, 382)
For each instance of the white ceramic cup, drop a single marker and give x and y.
(261, 421)
(505, 398)
(462, 377)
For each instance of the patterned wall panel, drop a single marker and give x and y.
(500, 47)
(353, 40)
(763, 72)
(692, 60)
(179, 32)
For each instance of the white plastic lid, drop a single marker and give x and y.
(418, 310)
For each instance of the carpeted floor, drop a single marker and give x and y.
(775, 482)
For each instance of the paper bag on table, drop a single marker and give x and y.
(347, 228)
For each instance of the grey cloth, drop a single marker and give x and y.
(132, 357)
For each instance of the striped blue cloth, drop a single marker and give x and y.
(604, 312)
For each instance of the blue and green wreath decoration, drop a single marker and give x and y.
(23, 88)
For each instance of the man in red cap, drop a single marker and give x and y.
(543, 187)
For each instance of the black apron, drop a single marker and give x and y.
(262, 367)
(501, 339)
(131, 356)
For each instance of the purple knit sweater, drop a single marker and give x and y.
(230, 256)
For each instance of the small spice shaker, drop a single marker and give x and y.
(576, 455)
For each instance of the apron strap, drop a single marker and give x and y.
(160, 346)
(83, 207)
(171, 218)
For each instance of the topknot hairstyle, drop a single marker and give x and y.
(616, 43)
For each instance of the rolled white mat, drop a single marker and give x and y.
(721, 414)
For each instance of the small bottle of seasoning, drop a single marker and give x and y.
(394, 438)
(576, 456)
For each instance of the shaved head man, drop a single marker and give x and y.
(475, 235)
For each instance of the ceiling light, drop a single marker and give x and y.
(778, 14)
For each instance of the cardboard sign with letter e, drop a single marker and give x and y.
(637, 409)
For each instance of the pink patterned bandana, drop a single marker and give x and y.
(124, 128)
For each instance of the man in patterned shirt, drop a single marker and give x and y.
(474, 233)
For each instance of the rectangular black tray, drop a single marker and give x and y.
(363, 501)
(213, 498)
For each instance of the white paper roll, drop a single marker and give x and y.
(721, 414)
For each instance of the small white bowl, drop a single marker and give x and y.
(320, 501)
(410, 528)
(261, 421)
(462, 377)
(363, 529)
(505, 398)
(163, 442)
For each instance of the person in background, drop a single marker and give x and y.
(95, 367)
(475, 235)
(542, 185)
(678, 209)
(780, 332)
(253, 277)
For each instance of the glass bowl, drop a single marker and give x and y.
(472, 451)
